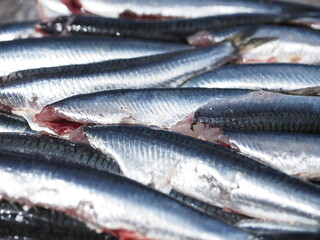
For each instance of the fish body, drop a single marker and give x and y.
(13, 123)
(167, 8)
(208, 172)
(24, 54)
(286, 78)
(12, 31)
(176, 30)
(262, 111)
(169, 72)
(158, 107)
(107, 202)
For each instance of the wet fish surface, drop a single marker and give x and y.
(167, 8)
(159, 107)
(262, 111)
(208, 172)
(24, 54)
(170, 30)
(12, 31)
(286, 78)
(107, 202)
(169, 72)
(41, 223)
(13, 123)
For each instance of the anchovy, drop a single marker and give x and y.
(171, 71)
(107, 202)
(169, 8)
(294, 154)
(208, 172)
(311, 22)
(41, 223)
(159, 107)
(262, 111)
(24, 54)
(170, 30)
(286, 78)
(51, 147)
(13, 123)
(12, 31)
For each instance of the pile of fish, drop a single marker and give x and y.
(160, 120)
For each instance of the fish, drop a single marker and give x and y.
(22, 54)
(52, 147)
(29, 97)
(286, 78)
(293, 153)
(262, 111)
(169, 9)
(106, 202)
(159, 107)
(41, 223)
(208, 172)
(13, 123)
(311, 22)
(291, 44)
(12, 31)
(177, 30)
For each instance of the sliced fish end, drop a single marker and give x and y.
(201, 38)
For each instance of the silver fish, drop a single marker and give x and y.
(286, 78)
(171, 71)
(13, 123)
(159, 107)
(107, 202)
(294, 154)
(168, 8)
(208, 172)
(58, 51)
(12, 31)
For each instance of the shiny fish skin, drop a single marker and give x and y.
(169, 8)
(169, 72)
(24, 54)
(208, 172)
(79, 69)
(294, 154)
(262, 111)
(159, 107)
(52, 147)
(107, 202)
(20, 30)
(287, 78)
(292, 45)
(43, 224)
(13, 123)
(170, 30)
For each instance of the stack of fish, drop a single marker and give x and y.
(161, 120)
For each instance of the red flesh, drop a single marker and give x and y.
(73, 5)
(201, 38)
(55, 121)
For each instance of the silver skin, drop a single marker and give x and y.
(50, 52)
(208, 172)
(13, 123)
(285, 77)
(105, 201)
(311, 22)
(177, 8)
(159, 107)
(169, 72)
(9, 32)
(292, 45)
(267, 227)
(294, 154)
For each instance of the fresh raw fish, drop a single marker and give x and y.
(159, 107)
(20, 30)
(51, 52)
(287, 78)
(262, 111)
(106, 202)
(13, 123)
(206, 171)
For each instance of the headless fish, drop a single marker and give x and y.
(13, 123)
